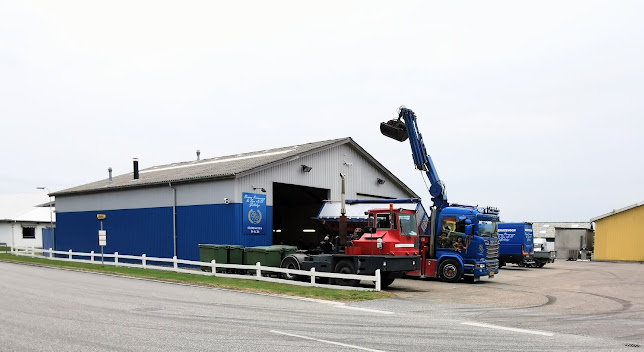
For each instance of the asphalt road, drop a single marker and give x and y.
(44, 309)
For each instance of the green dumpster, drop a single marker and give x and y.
(208, 252)
(266, 255)
(236, 254)
(286, 250)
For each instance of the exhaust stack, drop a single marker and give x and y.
(136, 168)
(109, 171)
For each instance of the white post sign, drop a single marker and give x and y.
(102, 238)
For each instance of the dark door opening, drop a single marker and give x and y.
(295, 209)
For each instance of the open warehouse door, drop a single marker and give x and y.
(295, 209)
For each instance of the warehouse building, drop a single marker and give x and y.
(619, 235)
(567, 238)
(250, 199)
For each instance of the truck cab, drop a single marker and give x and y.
(464, 244)
(388, 232)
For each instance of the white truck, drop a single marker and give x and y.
(543, 253)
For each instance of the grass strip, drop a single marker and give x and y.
(237, 284)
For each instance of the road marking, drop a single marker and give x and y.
(332, 303)
(342, 305)
(325, 341)
(509, 329)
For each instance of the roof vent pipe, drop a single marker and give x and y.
(109, 170)
(136, 168)
(198, 153)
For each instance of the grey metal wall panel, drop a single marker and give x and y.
(203, 193)
(130, 199)
(326, 168)
(187, 194)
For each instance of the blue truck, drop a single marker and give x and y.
(461, 241)
(516, 243)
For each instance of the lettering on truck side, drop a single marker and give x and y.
(504, 236)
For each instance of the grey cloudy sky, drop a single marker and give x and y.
(534, 107)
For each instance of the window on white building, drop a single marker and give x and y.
(28, 232)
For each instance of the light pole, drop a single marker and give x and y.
(51, 217)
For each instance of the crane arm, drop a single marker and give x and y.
(406, 126)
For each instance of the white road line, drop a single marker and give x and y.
(334, 304)
(543, 333)
(325, 341)
(363, 309)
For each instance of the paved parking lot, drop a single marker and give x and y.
(586, 298)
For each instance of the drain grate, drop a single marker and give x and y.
(632, 345)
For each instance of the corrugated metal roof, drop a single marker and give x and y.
(24, 207)
(217, 168)
(617, 211)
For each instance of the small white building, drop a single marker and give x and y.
(23, 218)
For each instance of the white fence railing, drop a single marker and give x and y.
(216, 269)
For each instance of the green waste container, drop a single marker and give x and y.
(208, 252)
(236, 254)
(266, 255)
(286, 250)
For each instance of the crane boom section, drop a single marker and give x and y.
(408, 128)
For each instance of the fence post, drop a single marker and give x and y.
(213, 263)
(33, 251)
(92, 256)
(11, 249)
(143, 260)
(51, 254)
(259, 271)
(312, 276)
(116, 258)
(70, 254)
(174, 261)
(378, 280)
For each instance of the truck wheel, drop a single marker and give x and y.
(345, 267)
(293, 264)
(542, 264)
(450, 271)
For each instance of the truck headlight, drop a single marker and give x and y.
(481, 266)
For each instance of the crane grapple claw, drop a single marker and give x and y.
(394, 129)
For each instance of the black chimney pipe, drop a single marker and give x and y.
(136, 169)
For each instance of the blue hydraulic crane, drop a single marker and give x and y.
(406, 126)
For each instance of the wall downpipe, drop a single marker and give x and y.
(343, 214)
(174, 218)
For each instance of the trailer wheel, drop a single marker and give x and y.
(345, 267)
(293, 264)
(450, 271)
(541, 264)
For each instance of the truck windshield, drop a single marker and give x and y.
(488, 229)
(408, 224)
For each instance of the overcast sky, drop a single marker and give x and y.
(533, 107)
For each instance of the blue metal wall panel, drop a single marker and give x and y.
(215, 224)
(131, 231)
(149, 231)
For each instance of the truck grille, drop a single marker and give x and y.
(492, 251)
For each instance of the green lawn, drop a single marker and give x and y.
(248, 285)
